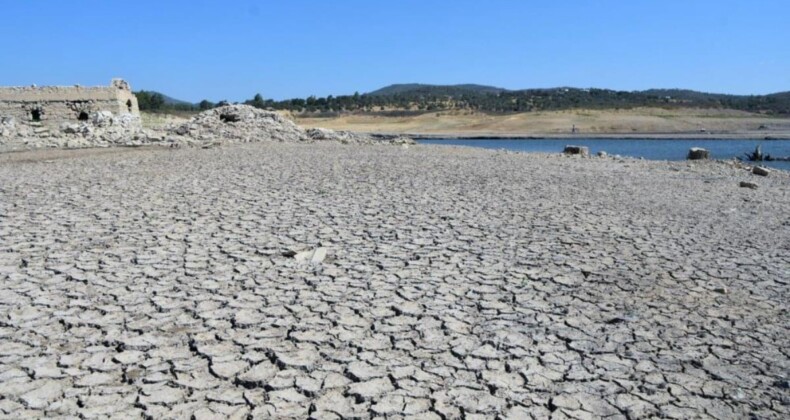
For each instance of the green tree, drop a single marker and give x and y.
(257, 101)
(205, 104)
(150, 101)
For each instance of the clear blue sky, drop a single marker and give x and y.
(232, 49)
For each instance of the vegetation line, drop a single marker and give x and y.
(406, 100)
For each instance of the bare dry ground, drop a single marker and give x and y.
(457, 283)
(633, 122)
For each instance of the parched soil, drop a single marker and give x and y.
(459, 283)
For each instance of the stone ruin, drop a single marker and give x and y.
(73, 117)
(70, 116)
(57, 104)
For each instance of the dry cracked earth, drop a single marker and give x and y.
(459, 283)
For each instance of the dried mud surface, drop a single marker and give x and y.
(459, 283)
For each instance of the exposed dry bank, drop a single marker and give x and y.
(457, 282)
(644, 122)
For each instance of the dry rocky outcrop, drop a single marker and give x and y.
(225, 124)
(101, 129)
(350, 137)
(247, 124)
(238, 124)
(582, 151)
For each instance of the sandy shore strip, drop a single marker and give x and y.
(747, 135)
(457, 283)
(637, 123)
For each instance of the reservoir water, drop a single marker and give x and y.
(664, 149)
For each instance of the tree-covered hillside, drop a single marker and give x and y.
(422, 98)
(449, 90)
(418, 98)
(154, 101)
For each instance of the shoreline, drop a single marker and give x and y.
(601, 136)
(55, 153)
(642, 123)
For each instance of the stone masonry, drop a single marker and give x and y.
(53, 105)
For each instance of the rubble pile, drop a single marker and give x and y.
(225, 124)
(350, 137)
(237, 124)
(245, 124)
(101, 129)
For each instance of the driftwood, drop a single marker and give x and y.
(758, 156)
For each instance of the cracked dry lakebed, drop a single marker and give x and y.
(327, 281)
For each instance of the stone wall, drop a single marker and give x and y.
(54, 105)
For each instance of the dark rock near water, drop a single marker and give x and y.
(698, 153)
(583, 151)
(759, 170)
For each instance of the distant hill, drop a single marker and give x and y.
(782, 96)
(173, 101)
(149, 100)
(691, 95)
(167, 99)
(416, 98)
(452, 90)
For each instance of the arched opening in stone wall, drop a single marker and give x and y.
(83, 116)
(129, 105)
(35, 114)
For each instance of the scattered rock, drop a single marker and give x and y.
(747, 184)
(314, 256)
(350, 137)
(697, 153)
(582, 151)
(70, 128)
(8, 121)
(318, 255)
(760, 170)
(102, 118)
(602, 154)
(239, 123)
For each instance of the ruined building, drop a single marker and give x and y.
(69, 116)
(55, 105)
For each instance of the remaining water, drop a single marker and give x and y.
(648, 149)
